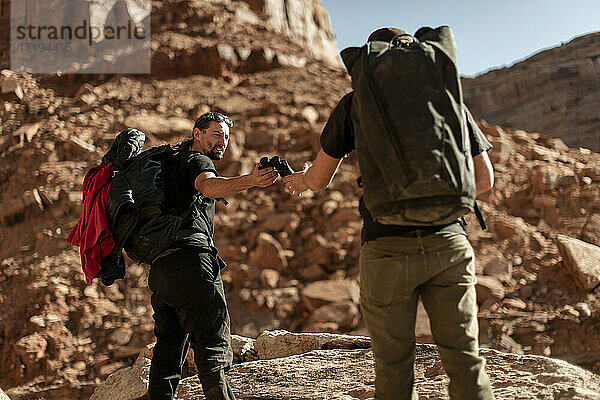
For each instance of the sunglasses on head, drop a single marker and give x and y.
(215, 116)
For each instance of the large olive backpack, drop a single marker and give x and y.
(411, 136)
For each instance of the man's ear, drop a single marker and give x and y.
(196, 133)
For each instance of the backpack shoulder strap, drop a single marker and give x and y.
(480, 217)
(198, 197)
(387, 137)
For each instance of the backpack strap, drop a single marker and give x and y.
(199, 197)
(371, 93)
(480, 217)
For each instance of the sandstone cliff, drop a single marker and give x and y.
(555, 92)
(304, 23)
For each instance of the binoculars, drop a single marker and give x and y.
(281, 166)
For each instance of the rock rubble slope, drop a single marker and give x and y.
(292, 263)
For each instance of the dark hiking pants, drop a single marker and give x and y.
(189, 310)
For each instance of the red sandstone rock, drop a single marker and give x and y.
(343, 315)
(541, 93)
(499, 267)
(489, 290)
(320, 293)
(268, 253)
(582, 260)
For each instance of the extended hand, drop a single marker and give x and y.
(294, 183)
(263, 177)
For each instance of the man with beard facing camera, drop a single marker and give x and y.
(187, 291)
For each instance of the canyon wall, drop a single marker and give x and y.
(555, 92)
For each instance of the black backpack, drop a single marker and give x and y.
(411, 136)
(139, 216)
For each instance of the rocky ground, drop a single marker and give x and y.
(292, 262)
(321, 366)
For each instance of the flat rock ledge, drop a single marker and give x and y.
(342, 367)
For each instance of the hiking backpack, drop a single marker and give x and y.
(411, 136)
(139, 216)
(138, 211)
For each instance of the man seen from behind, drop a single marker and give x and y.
(422, 160)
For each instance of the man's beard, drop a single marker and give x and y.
(215, 154)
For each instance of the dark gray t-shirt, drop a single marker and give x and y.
(198, 227)
(337, 141)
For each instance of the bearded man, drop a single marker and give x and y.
(187, 291)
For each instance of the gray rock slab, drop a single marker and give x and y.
(281, 343)
(3, 396)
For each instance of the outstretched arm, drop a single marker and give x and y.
(314, 177)
(318, 176)
(214, 186)
(484, 173)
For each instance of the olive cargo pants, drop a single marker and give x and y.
(394, 272)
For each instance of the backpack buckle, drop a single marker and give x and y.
(398, 42)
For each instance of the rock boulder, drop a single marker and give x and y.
(582, 260)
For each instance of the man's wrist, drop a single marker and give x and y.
(248, 181)
(304, 180)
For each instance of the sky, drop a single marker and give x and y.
(489, 33)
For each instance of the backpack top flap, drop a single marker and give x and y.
(442, 38)
(126, 145)
(349, 56)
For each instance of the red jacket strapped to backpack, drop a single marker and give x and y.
(91, 232)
